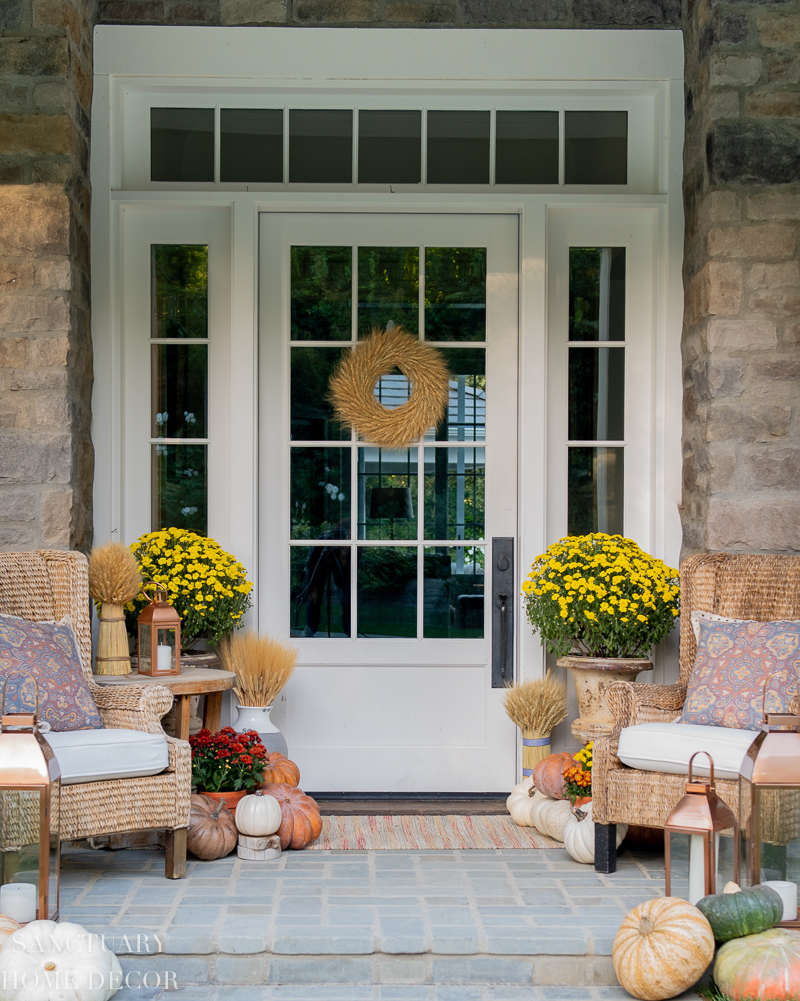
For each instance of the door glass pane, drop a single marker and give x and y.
(596, 147)
(597, 293)
(455, 294)
(312, 413)
(179, 289)
(180, 390)
(455, 493)
(453, 592)
(458, 147)
(595, 490)
(596, 394)
(465, 418)
(321, 293)
(389, 147)
(320, 591)
(320, 493)
(387, 493)
(388, 288)
(321, 146)
(181, 144)
(526, 147)
(251, 145)
(387, 591)
(179, 478)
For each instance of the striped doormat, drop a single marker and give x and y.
(427, 832)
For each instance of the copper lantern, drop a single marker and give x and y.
(30, 785)
(706, 819)
(159, 631)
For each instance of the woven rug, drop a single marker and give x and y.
(427, 832)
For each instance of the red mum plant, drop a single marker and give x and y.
(227, 761)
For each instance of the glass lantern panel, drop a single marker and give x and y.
(166, 650)
(25, 857)
(687, 864)
(144, 650)
(769, 820)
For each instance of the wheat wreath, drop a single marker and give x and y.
(352, 388)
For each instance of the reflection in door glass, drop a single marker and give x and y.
(388, 288)
(179, 290)
(597, 293)
(180, 390)
(321, 293)
(453, 592)
(455, 294)
(179, 478)
(387, 493)
(455, 493)
(595, 490)
(465, 417)
(596, 394)
(320, 591)
(320, 493)
(312, 414)
(387, 591)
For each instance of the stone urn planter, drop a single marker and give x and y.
(592, 676)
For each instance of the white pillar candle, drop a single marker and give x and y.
(18, 901)
(164, 657)
(788, 894)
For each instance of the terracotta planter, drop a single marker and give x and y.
(231, 798)
(592, 676)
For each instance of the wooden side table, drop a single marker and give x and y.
(193, 681)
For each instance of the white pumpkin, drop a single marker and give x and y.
(550, 816)
(522, 791)
(7, 927)
(45, 961)
(257, 815)
(579, 835)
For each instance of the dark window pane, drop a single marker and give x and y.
(251, 145)
(596, 147)
(597, 293)
(458, 147)
(596, 394)
(181, 144)
(320, 591)
(388, 288)
(595, 490)
(180, 390)
(180, 492)
(526, 147)
(387, 493)
(321, 146)
(179, 290)
(387, 591)
(389, 147)
(455, 506)
(312, 413)
(322, 293)
(465, 419)
(453, 592)
(455, 293)
(320, 493)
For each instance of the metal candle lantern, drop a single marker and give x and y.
(703, 816)
(30, 785)
(159, 631)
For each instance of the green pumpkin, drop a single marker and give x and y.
(736, 913)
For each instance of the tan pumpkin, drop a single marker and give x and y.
(300, 820)
(662, 948)
(212, 832)
(279, 769)
(550, 816)
(548, 775)
(7, 928)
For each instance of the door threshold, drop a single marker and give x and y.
(379, 804)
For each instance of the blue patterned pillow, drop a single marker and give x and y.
(734, 660)
(46, 651)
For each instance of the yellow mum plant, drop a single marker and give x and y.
(207, 586)
(600, 596)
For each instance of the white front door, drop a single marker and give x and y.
(379, 563)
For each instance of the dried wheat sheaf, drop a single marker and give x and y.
(352, 388)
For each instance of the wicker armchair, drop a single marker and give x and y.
(47, 585)
(763, 588)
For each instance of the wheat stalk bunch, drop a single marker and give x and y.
(114, 576)
(262, 666)
(537, 707)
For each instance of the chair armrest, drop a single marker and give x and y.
(180, 761)
(133, 707)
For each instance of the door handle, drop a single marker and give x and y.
(502, 612)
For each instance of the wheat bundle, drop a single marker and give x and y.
(114, 579)
(536, 707)
(352, 388)
(262, 666)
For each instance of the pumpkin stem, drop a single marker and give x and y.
(645, 925)
(215, 814)
(578, 813)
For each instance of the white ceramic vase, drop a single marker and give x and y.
(257, 718)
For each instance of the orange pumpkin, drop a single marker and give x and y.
(212, 832)
(300, 820)
(280, 769)
(548, 775)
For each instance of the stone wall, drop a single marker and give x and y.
(741, 342)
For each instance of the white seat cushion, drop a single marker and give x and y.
(102, 755)
(667, 747)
